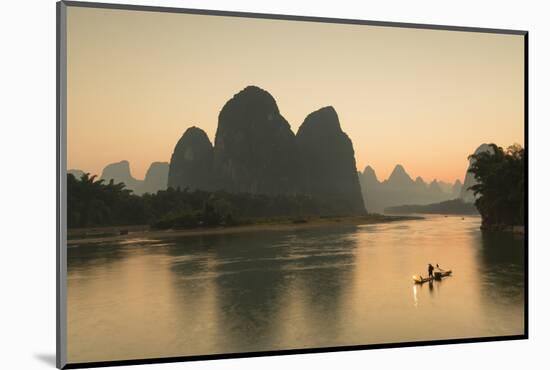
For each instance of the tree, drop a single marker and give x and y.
(500, 185)
(93, 203)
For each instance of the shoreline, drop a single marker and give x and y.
(144, 231)
(515, 229)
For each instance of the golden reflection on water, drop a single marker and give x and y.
(281, 290)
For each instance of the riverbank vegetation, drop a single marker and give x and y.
(94, 203)
(500, 187)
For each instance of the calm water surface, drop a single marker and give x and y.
(292, 289)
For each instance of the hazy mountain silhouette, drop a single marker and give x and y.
(191, 162)
(400, 189)
(371, 198)
(76, 173)
(469, 179)
(399, 178)
(328, 161)
(120, 172)
(420, 183)
(156, 177)
(435, 188)
(369, 176)
(456, 189)
(256, 152)
(445, 187)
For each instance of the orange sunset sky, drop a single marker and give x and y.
(422, 98)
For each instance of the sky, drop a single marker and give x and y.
(425, 99)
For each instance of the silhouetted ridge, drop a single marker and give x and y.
(435, 187)
(249, 105)
(156, 177)
(255, 149)
(420, 181)
(120, 172)
(328, 162)
(399, 177)
(323, 122)
(370, 175)
(400, 189)
(369, 184)
(256, 152)
(456, 189)
(191, 162)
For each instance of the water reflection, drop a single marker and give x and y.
(502, 277)
(279, 290)
(502, 258)
(256, 286)
(93, 255)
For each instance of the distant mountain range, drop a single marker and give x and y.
(400, 193)
(400, 189)
(156, 177)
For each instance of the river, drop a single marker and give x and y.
(318, 287)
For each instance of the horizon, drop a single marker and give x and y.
(143, 78)
(413, 177)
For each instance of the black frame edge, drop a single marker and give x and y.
(61, 90)
(61, 7)
(160, 360)
(57, 221)
(526, 180)
(226, 13)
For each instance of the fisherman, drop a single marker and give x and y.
(430, 271)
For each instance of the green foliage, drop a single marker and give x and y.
(93, 203)
(178, 221)
(500, 185)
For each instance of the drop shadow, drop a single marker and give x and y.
(47, 358)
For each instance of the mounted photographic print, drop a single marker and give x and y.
(235, 184)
